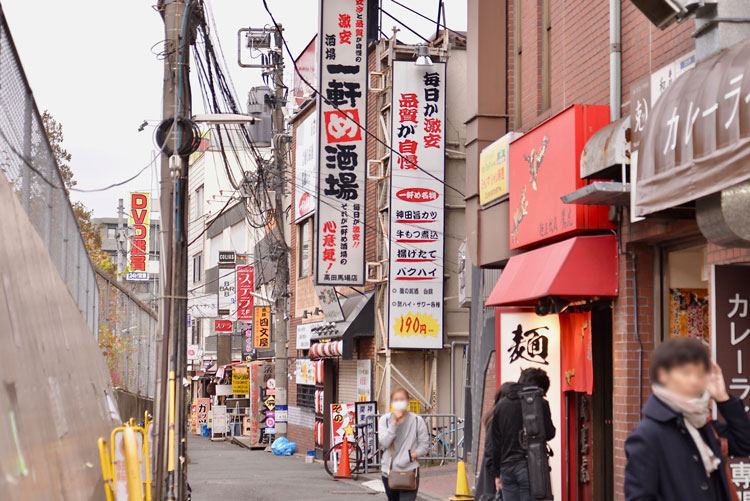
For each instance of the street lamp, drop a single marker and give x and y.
(423, 56)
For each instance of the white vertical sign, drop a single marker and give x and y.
(364, 380)
(528, 340)
(342, 148)
(417, 206)
(305, 167)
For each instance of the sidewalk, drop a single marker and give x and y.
(437, 483)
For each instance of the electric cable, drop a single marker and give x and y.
(404, 25)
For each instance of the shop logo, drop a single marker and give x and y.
(535, 161)
(531, 345)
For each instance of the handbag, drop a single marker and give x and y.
(403, 480)
(733, 496)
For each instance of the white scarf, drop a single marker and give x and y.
(695, 412)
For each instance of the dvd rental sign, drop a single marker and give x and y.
(139, 248)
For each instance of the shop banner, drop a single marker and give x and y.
(342, 149)
(219, 424)
(417, 207)
(367, 413)
(364, 380)
(194, 352)
(343, 421)
(329, 303)
(139, 220)
(228, 292)
(201, 406)
(493, 169)
(240, 381)
(731, 345)
(262, 327)
(246, 328)
(304, 372)
(222, 325)
(245, 288)
(525, 340)
(305, 167)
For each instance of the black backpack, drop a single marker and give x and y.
(534, 441)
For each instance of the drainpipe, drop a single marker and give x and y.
(615, 61)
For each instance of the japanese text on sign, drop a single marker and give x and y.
(245, 288)
(342, 161)
(262, 327)
(417, 206)
(139, 243)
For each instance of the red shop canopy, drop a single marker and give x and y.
(576, 267)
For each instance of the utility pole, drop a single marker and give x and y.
(121, 239)
(281, 285)
(171, 422)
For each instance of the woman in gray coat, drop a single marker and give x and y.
(403, 436)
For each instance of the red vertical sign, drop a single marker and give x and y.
(245, 288)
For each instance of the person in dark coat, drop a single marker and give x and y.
(489, 477)
(674, 453)
(508, 454)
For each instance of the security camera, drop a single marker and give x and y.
(663, 13)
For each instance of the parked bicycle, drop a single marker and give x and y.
(357, 453)
(444, 444)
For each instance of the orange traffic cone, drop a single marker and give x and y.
(344, 471)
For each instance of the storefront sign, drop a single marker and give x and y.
(245, 288)
(342, 152)
(240, 381)
(364, 380)
(304, 332)
(139, 220)
(262, 327)
(219, 424)
(493, 169)
(246, 328)
(544, 166)
(227, 284)
(282, 413)
(194, 352)
(329, 303)
(202, 406)
(222, 325)
(417, 207)
(304, 65)
(366, 413)
(223, 390)
(304, 372)
(305, 167)
(343, 421)
(525, 340)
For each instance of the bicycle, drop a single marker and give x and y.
(442, 442)
(357, 454)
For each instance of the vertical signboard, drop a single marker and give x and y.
(245, 288)
(246, 328)
(262, 327)
(731, 344)
(343, 421)
(227, 284)
(305, 167)
(525, 340)
(342, 152)
(364, 380)
(139, 220)
(493, 169)
(417, 206)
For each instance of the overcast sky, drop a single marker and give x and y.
(92, 64)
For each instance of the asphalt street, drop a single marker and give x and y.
(222, 471)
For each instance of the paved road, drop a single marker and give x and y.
(221, 471)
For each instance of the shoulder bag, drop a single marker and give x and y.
(733, 496)
(403, 480)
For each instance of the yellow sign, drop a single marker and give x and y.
(240, 381)
(416, 324)
(493, 169)
(262, 327)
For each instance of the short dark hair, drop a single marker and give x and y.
(398, 390)
(535, 377)
(677, 352)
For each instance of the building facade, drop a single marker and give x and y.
(661, 270)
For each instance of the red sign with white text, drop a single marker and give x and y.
(221, 325)
(544, 166)
(245, 288)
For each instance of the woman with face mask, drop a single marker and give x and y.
(403, 436)
(678, 452)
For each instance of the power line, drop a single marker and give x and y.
(404, 25)
(427, 17)
(359, 125)
(114, 185)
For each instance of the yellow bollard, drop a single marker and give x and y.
(462, 484)
(132, 466)
(147, 459)
(170, 439)
(106, 469)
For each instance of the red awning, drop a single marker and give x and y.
(577, 267)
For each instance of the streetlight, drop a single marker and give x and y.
(423, 56)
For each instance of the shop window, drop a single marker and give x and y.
(111, 232)
(686, 301)
(306, 396)
(304, 248)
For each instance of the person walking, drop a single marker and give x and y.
(488, 484)
(676, 452)
(508, 451)
(403, 436)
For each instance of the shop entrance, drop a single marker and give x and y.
(588, 420)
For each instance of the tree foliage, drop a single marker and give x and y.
(54, 131)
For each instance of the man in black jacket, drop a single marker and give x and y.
(509, 456)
